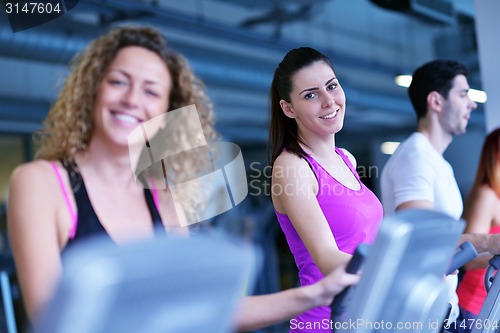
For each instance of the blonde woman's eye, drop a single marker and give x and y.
(115, 82)
(332, 86)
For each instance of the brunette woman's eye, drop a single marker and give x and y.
(309, 95)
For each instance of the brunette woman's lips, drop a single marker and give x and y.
(330, 115)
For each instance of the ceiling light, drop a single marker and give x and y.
(477, 96)
(403, 80)
(389, 147)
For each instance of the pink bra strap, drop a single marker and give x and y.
(72, 213)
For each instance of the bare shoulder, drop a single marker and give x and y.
(34, 183)
(285, 158)
(350, 156)
(481, 207)
(485, 194)
(291, 166)
(289, 160)
(32, 201)
(36, 172)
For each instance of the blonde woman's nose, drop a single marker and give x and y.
(131, 97)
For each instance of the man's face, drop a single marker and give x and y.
(457, 108)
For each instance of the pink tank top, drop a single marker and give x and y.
(471, 291)
(354, 217)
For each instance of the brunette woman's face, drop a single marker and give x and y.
(317, 101)
(135, 88)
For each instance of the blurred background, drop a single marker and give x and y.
(234, 46)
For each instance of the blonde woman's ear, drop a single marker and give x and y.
(287, 109)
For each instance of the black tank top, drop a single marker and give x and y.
(88, 223)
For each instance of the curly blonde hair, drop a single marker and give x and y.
(68, 127)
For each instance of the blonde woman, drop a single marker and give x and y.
(81, 182)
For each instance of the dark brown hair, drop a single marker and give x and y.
(436, 75)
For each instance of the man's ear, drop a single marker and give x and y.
(287, 109)
(435, 101)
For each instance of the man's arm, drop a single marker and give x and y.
(483, 242)
(416, 204)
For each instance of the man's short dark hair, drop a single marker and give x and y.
(436, 75)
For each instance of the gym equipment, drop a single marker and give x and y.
(464, 253)
(402, 286)
(164, 285)
(7, 317)
(488, 319)
(341, 300)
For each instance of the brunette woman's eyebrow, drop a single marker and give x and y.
(307, 90)
(329, 81)
(315, 88)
